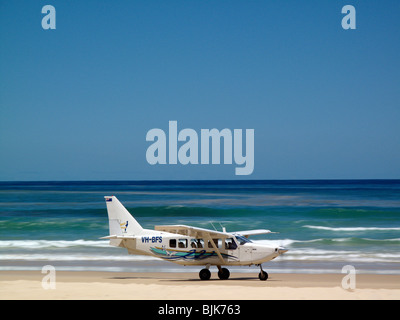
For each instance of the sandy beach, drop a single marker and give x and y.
(27, 285)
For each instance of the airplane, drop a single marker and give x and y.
(187, 245)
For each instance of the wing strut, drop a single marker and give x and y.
(215, 247)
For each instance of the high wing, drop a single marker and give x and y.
(248, 233)
(194, 232)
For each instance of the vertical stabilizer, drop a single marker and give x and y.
(121, 221)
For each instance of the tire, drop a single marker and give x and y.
(224, 274)
(263, 276)
(205, 274)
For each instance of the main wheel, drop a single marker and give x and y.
(263, 276)
(205, 274)
(224, 274)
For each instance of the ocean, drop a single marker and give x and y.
(325, 224)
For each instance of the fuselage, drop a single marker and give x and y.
(186, 250)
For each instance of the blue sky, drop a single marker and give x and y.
(76, 102)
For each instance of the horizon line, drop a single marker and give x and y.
(196, 180)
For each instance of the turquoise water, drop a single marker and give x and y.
(324, 224)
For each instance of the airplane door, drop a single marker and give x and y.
(245, 252)
(245, 249)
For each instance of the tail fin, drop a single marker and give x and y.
(121, 221)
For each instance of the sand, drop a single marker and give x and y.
(27, 285)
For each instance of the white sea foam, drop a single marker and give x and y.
(74, 257)
(41, 244)
(276, 243)
(353, 228)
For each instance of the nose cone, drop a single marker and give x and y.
(282, 250)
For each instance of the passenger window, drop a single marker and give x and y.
(172, 243)
(200, 243)
(182, 243)
(217, 243)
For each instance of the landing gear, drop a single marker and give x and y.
(223, 273)
(262, 275)
(205, 274)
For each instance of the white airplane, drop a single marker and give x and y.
(188, 245)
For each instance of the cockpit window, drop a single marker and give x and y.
(241, 239)
(230, 244)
